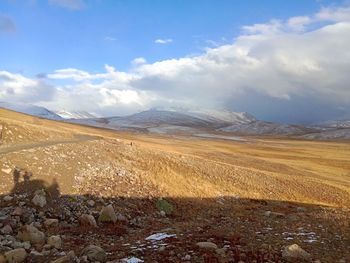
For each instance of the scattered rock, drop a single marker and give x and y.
(91, 203)
(107, 214)
(32, 234)
(94, 253)
(55, 241)
(6, 230)
(87, 220)
(207, 245)
(18, 211)
(51, 223)
(69, 258)
(39, 198)
(16, 256)
(6, 170)
(294, 253)
(8, 198)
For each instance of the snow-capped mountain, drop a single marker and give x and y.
(334, 124)
(166, 118)
(343, 133)
(215, 116)
(31, 110)
(75, 114)
(266, 128)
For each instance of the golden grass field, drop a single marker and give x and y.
(315, 172)
(221, 189)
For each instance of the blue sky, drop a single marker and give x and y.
(282, 61)
(51, 36)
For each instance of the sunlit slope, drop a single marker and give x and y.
(103, 162)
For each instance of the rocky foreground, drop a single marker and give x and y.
(40, 225)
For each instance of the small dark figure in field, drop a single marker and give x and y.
(27, 176)
(16, 175)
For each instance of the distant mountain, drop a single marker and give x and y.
(31, 110)
(267, 128)
(343, 133)
(171, 120)
(334, 124)
(75, 114)
(216, 116)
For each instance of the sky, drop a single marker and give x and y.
(285, 61)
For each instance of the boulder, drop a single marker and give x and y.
(6, 230)
(8, 198)
(294, 253)
(16, 256)
(39, 198)
(107, 214)
(32, 234)
(207, 245)
(55, 242)
(69, 258)
(87, 220)
(94, 253)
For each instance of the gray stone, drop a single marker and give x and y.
(94, 253)
(39, 198)
(31, 234)
(207, 245)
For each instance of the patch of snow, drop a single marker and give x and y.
(215, 136)
(132, 260)
(75, 114)
(159, 236)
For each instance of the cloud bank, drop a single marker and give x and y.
(294, 70)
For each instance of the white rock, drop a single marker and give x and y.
(294, 253)
(8, 198)
(107, 214)
(39, 198)
(6, 170)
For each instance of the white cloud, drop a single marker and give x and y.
(299, 61)
(139, 61)
(7, 25)
(69, 4)
(299, 23)
(17, 88)
(108, 38)
(163, 41)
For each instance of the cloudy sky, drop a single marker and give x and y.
(286, 61)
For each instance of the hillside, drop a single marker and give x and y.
(242, 197)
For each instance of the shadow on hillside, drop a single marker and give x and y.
(249, 230)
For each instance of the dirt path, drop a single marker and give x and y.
(78, 138)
